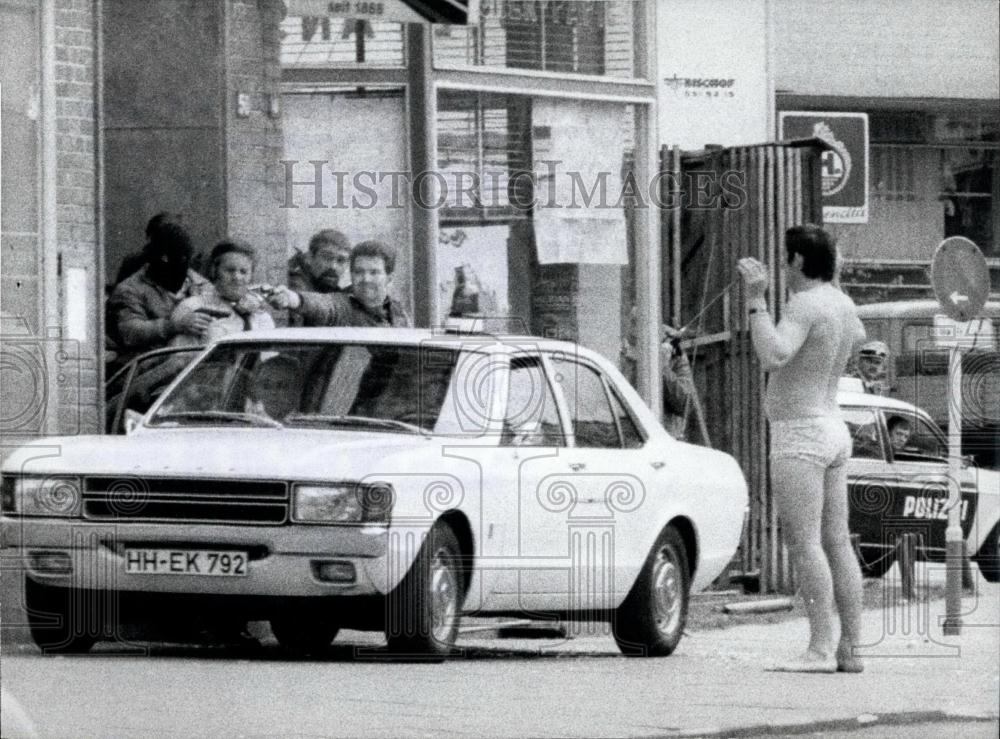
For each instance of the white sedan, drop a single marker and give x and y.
(381, 479)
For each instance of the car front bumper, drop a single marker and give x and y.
(283, 561)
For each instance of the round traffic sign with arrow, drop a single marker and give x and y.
(960, 277)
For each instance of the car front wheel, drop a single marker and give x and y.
(424, 610)
(650, 622)
(57, 619)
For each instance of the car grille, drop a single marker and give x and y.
(181, 500)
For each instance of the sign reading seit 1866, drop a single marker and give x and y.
(405, 11)
(844, 164)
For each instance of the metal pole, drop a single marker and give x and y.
(953, 534)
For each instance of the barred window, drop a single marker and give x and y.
(484, 154)
(308, 41)
(590, 37)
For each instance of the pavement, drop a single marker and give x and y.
(917, 681)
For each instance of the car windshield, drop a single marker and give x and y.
(373, 387)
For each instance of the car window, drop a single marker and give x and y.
(138, 390)
(863, 426)
(531, 417)
(589, 407)
(314, 385)
(632, 437)
(912, 438)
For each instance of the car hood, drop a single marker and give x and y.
(247, 453)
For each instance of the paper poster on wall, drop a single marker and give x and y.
(472, 271)
(844, 169)
(578, 150)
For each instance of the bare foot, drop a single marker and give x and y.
(810, 661)
(847, 661)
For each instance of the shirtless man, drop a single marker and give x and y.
(805, 355)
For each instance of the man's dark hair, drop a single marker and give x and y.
(329, 236)
(378, 250)
(227, 246)
(818, 250)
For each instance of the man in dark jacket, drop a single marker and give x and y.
(325, 268)
(367, 303)
(140, 306)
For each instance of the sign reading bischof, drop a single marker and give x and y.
(844, 164)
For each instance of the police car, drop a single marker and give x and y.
(898, 484)
(378, 479)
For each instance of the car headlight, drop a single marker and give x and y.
(342, 503)
(42, 496)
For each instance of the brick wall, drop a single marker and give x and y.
(895, 48)
(254, 182)
(78, 379)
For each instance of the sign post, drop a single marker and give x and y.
(961, 283)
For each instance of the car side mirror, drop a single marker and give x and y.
(132, 420)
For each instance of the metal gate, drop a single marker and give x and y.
(734, 203)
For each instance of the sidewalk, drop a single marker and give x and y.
(716, 683)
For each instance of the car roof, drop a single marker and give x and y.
(869, 400)
(405, 336)
(915, 309)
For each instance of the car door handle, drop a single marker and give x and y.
(577, 466)
(657, 465)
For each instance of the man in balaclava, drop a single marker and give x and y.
(140, 306)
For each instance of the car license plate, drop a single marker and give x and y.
(203, 562)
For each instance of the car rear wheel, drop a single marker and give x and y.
(424, 610)
(875, 562)
(304, 633)
(650, 622)
(57, 619)
(988, 557)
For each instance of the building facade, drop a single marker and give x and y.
(506, 160)
(927, 73)
(50, 71)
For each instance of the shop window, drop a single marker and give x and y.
(969, 188)
(897, 127)
(589, 37)
(308, 41)
(892, 173)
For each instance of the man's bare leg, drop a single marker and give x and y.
(798, 487)
(844, 567)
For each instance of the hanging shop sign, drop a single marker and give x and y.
(844, 170)
(459, 12)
